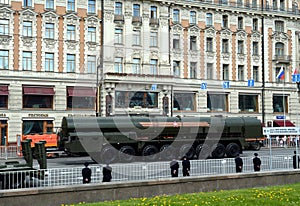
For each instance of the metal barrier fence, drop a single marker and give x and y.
(8, 152)
(136, 172)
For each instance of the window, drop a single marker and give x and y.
(225, 46)
(223, 1)
(118, 8)
(27, 28)
(3, 101)
(27, 61)
(240, 2)
(4, 27)
(248, 103)
(209, 19)
(49, 31)
(255, 48)
(118, 36)
(91, 34)
(91, 64)
(209, 44)
(37, 126)
(136, 10)
(27, 3)
(184, 101)
(279, 49)
(4, 2)
(131, 99)
(176, 16)
(240, 47)
(49, 4)
(119, 64)
(255, 25)
(275, 6)
(176, 68)
(81, 98)
(49, 62)
(193, 43)
(255, 73)
(176, 40)
(254, 3)
(225, 21)
(225, 72)
(136, 66)
(70, 62)
(280, 103)
(71, 5)
(193, 18)
(240, 72)
(209, 71)
(217, 102)
(3, 59)
(240, 22)
(153, 66)
(193, 70)
(153, 12)
(71, 32)
(153, 39)
(279, 26)
(91, 6)
(136, 37)
(38, 97)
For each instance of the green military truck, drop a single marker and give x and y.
(109, 139)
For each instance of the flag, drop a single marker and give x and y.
(295, 71)
(280, 74)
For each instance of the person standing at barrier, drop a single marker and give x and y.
(107, 173)
(256, 163)
(174, 168)
(296, 160)
(86, 173)
(238, 164)
(186, 166)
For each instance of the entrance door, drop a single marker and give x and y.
(3, 132)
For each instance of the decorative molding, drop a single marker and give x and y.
(280, 36)
(225, 56)
(5, 13)
(28, 15)
(210, 32)
(50, 43)
(5, 40)
(71, 44)
(92, 45)
(28, 41)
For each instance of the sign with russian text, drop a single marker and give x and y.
(281, 131)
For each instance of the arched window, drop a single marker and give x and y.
(279, 49)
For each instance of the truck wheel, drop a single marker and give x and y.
(187, 150)
(149, 152)
(108, 154)
(167, 152)
(203, 151)
(232, 150)
(255, 146)
(219, 151)
(126, 153)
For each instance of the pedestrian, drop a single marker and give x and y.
(86, 173)
(107, 173)
(186, 166)
(256, 163)
(174, 168)
(296, 160)
(238, 164)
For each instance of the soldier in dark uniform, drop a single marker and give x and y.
(256, 162)
(86, 173)
(107, 173)
(174, 168)
(296, 160)
(238, 164)
(186, 166)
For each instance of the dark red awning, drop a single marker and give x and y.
(81, 92)
(3, 90)
(283, 123)
(38, 90)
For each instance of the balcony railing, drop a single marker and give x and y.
(282, 58)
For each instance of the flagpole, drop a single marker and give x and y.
(283, 99)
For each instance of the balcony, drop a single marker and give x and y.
(282, 58)
(154, 22)
(137, 20)
(119, 18)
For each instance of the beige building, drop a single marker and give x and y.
(187, 58)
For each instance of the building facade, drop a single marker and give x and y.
(109, 58)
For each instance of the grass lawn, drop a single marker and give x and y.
(270, 196)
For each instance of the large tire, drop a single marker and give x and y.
(255, 146)
(126, 154)
(167, 152)
(150, 152)
(187, 150)
(232, 150)
(203, 151)
(108, 155)
(219, 151)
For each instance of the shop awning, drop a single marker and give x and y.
(3, 90)
(81, 92)
(283, 123)
(38, 90)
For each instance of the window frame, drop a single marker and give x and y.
(220, 102)
(180, 102)
(118, 64)
(49, 30)
(71, 32)
(49, 62)
(71, 5)
(245, 102)
(27, 29)
(4, 59)
(153, 66)
(27, 61)
(92, 34)
(71, 63)
(91, 64)
(4, 26)
(92, 6)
